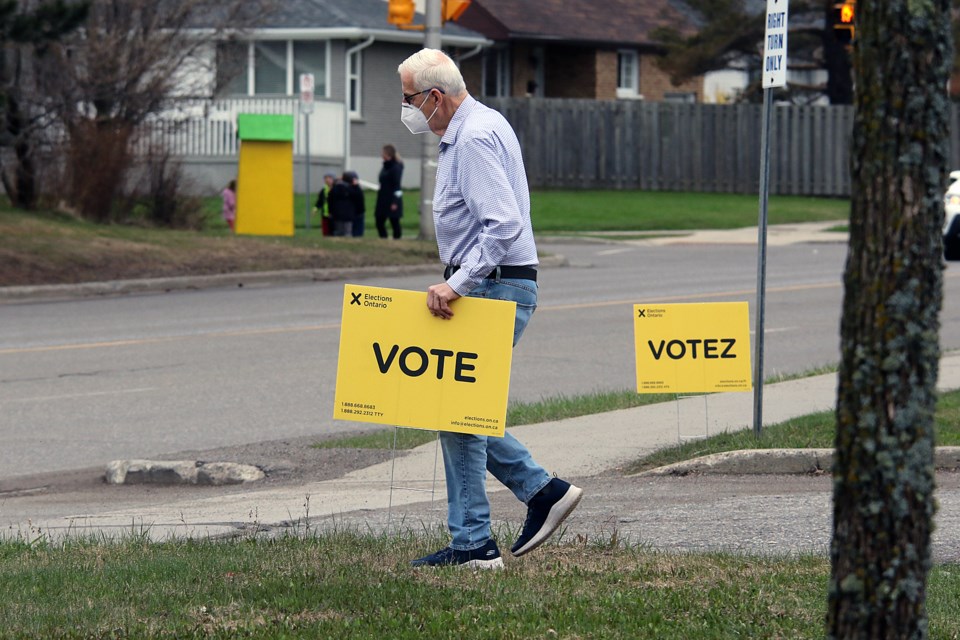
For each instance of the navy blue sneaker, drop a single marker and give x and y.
(485, 557)
(545, 512)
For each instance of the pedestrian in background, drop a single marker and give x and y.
(390, 197)
(481, 213)
(229, 209)
(322, 205)
(359, 205)
(341, 203)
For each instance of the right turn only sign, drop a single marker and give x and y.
(775, 45)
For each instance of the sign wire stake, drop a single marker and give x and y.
(706, 418)
(393, 466)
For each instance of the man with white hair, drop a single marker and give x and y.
(481, 212)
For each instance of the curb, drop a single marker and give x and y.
(186, 283)
(778, 462)
(222, 280)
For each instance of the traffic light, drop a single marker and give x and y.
(844, 21)
(453, 9)
(400, 12)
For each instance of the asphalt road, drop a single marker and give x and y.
(86, 381)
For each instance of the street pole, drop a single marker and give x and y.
(306, 135)
(306, 108)
(774, 69)
(762, 263)
(429, 154)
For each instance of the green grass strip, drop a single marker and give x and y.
(342, 584)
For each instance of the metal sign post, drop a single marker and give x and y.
(429, 153)
(306, 108)
(774, 75)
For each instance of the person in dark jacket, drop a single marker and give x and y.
(359, 206)
(390, 197)
(340, 202)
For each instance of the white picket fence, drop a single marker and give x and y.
(195, 128)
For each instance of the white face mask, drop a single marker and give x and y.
(413, 117)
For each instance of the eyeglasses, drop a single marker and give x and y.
(409, 98)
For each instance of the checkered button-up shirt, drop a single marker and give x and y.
(481, 206)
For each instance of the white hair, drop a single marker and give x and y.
(430, 68)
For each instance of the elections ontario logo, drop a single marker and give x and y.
(370, 300)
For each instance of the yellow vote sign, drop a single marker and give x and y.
(692, 348)
(400, 365)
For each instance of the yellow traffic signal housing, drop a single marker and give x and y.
(844, 21)
(453, 9)
(400, 12)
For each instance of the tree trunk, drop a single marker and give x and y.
(22, 187)
(883, 471)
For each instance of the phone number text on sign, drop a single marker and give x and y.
(359, 409)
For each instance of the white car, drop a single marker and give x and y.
(951, 218)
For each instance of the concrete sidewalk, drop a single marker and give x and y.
(582, 447)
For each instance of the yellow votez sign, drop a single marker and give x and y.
(692, 348)
(400, 365)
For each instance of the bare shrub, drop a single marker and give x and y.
(98, 152)
(160, 196)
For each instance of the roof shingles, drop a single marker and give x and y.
(611, 21)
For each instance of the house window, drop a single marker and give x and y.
(628, 74)
(232, 64)
(270, 68)
(311, 57)
(686, 97)
(353, 83)
(496, 73)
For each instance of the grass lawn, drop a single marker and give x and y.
(51, 248)
(556, 211)
(48, 247)
(341, 583)
(594, 210)
(351, 585)
(814, 431)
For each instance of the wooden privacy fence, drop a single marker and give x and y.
(620, 144)
(680, 147)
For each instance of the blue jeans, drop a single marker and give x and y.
(468, 457)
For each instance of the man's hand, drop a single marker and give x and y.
(439, 297)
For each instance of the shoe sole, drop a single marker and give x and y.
(558, 513)
(496, 563)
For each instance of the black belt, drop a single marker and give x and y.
(503, 271)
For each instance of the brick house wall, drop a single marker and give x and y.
(521, 71)
(576, 72)
(655, 83)
(605, 64)
(570, 73)
(472, 71)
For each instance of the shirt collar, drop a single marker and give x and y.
(453, 129)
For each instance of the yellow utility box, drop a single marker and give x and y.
(265, 176)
